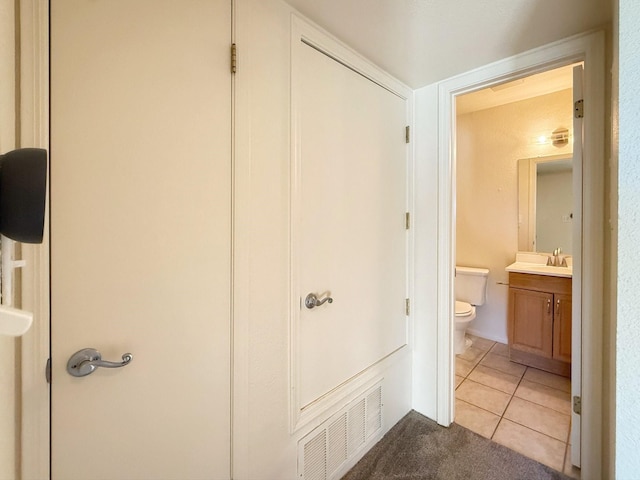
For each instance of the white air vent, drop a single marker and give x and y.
(315, 455)
(356, 426)
(374, 411)
(337, 443)
(323, 452)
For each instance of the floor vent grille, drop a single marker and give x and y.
(323, 452)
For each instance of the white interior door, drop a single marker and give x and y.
(140, 237)
(352, 236)
(576, 303)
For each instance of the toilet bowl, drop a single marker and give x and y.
(465, 312)
(470, 292)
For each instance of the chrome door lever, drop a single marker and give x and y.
(85, 361)
(312, 301)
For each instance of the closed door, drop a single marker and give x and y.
(352, 235)
(140, 236)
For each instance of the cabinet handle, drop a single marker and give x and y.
(548, 305)
(558, 307)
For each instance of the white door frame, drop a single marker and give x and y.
(34, 132)
(588, 48)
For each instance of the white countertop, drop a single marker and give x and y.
(537, 269)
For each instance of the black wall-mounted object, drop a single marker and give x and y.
(23, 186)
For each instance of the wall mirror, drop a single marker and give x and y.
(545, 204)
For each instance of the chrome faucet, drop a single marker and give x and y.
(556, 262)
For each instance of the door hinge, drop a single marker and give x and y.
(234, 58)
(47, 370)
(577, 405)
(407, 134)
(407, 307)
(407, 220)
(578, 110)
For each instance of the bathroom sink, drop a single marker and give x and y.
(536, 264)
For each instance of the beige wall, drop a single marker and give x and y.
(489, 144)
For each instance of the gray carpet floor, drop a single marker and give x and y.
(418, 448)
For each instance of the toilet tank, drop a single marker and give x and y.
(471, 285)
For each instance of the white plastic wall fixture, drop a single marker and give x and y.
(14, 322)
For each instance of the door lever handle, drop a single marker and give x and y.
(312, 301)
(85, 361)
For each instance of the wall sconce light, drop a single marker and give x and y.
(560, 137)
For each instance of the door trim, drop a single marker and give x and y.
(577, 231)
(34, 132)
(588, 48)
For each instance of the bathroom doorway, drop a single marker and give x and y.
(588, 267)
(514, 147)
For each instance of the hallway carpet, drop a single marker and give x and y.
(418, 448)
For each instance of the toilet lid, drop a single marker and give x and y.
(462, 308)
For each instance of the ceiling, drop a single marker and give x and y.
(424, 41)
(532, 86)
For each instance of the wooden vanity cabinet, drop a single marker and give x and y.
(539, 322)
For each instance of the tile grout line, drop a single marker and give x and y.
(509, 403)
(544, 406)
(544, 384)
(474, 366)
(536, 431)
(540, 404)
(476, 406)
(467, 378)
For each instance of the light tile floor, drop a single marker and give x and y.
(523, 408)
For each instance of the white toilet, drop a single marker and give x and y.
(470, 291)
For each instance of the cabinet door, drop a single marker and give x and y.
(562, 327)
(531, 321)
